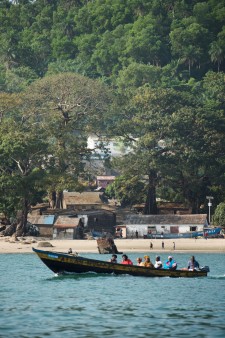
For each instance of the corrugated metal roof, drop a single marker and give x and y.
(108, 178)
(82, 198)
(41, 219)
(166, 219)
(65, 222)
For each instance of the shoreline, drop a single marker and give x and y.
(201, 245)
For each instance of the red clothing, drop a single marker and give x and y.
(127, 262)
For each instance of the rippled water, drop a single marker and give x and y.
(35, 303)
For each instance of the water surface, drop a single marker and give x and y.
(36, 303)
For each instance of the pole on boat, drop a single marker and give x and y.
(209, 204)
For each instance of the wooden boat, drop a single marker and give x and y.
(206, 232)
(63, 263)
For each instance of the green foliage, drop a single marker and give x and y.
(126, 190)
(219, 215)
(165, 61)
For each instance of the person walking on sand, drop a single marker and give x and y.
(151, 245)
(174, 246)
(162, 245)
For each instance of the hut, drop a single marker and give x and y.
(44, 223)
(164, 226)
(66, 227)
(84, 201)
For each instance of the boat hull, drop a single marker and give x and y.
(67, 264)
(209, 233)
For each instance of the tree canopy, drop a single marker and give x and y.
(149, 71)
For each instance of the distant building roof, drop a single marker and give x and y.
(73, 198)
(166, 219)
(65, 222)
(107, 178)
(41, 219)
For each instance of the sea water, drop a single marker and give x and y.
(36, 303)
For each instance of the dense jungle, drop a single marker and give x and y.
(147, 72)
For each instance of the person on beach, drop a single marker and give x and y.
(170, 264)
(139, 261)
(162, 245)
(113, 259)
(147, 263)
(193, 264)
(174, 246)
(151, 245)
(158, 263)
(126, 260)
(70, 251)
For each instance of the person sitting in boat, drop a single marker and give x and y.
(139, 261)
(170, 264)
(193, 264)
(126, 260)
(113, 259)
(158, 263)
(147, 263)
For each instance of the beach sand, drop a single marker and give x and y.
(25, 245)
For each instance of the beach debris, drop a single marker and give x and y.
(44, 245)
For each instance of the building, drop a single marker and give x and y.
(44, 223)
(66, 227)
(163, 226)
(104, 181)
(84, 201)
(98, 220)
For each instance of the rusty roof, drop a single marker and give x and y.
(65, 222)
(82, 198)
(166, 219)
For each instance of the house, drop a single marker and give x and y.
(67, 227)
(98, 220)
(104, 181)
(164, 225)
(84, 201)
(44, 223)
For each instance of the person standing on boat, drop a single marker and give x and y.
(158, 263)
(170, 264)
(126, 260)
(193, 264)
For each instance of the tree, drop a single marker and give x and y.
(127, 190)
(216, 53)
(219, 215)
(22, 150)
(69, 107)
(188, 42)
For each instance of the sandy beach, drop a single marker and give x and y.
(24, 245)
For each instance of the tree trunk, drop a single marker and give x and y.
(150, 205)
(59, 200)
(20, 229)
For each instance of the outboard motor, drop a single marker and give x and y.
(205, 268)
